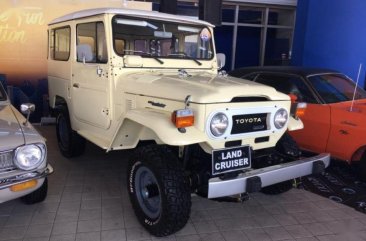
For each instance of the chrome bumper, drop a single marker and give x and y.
(25, 176)
(268, 176)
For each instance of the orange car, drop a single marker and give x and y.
(332, 122)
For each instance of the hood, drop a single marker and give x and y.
(11, 134)
(203, 87)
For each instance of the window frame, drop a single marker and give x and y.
(97, 60)
(53, 43)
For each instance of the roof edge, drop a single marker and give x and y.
(127, 12)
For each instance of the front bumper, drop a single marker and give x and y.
(25, 176)
(267, 176)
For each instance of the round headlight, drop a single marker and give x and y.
(28, 157)
(280, 118)
(219, 124)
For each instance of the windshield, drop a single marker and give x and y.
(153, 38)
(336, 88)
(2, 93)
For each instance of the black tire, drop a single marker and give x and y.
(38, 195)
(287, 147)
(70, 143)
(278, 188)
(158, 190)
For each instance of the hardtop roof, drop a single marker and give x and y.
(129, 12)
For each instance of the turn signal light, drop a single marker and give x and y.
(183, 118)
(23, 186)
(300, 110)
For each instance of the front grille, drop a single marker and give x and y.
(6, 160)
(249, 123)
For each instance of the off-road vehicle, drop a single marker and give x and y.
(126, 78)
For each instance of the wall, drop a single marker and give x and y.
(23, 32)
(23, 45)
(331, 34)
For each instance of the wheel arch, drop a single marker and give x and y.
(357, 155)
(151, 125)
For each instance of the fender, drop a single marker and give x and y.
(147, 124)
(294, 124)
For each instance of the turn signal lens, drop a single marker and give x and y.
(183, 118)
(23, 186)
(293, 98)
(300, 110)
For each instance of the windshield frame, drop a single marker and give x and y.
(179, 56)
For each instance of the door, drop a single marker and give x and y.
(90, 85)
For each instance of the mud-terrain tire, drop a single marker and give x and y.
(288, 147)
(70, 143)
(38, 195)
(158, 190)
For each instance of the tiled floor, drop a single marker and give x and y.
(87, 201)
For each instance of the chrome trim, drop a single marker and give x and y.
(268, 175)
(24, 177)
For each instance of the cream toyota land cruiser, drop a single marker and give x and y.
(121, 78)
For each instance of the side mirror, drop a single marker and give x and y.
(27, 109)
(221, 59)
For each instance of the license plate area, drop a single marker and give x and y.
(230, 159)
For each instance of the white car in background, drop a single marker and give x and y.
(23, 155)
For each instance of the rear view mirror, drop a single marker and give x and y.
(221, 59)
(161, 34)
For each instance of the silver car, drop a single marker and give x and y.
(23, 155)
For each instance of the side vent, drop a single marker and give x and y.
(130, 105)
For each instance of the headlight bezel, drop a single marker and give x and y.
(278, 125)
(219, 134)
(22, 150)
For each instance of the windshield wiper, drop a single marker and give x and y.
(159, 60)
(186, 56)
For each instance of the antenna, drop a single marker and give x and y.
(354, 92)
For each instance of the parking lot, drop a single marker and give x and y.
(87, 201)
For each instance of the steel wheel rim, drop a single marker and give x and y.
(148, 192)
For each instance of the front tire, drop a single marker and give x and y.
(158, 190)
(70, 143)
(288, 148)
(38, 195)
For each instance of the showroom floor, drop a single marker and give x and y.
(87, 201)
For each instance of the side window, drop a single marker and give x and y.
(60, 44)
(288, 85)
(91, 45)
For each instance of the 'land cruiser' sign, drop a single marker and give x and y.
(230, 159)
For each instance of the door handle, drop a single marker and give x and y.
(76, 85)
